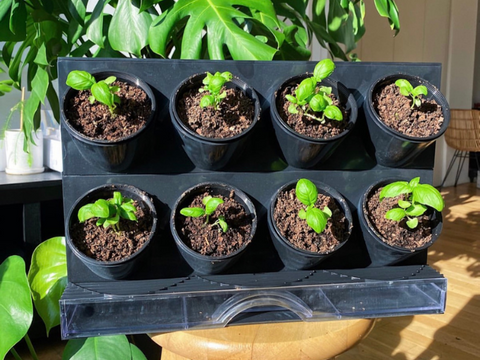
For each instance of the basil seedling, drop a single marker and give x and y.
(213, 85)
(422, 195)
(310, 99)
(211, 204)
(109, 211)
(307, 193)
(406, 89)
(102, 91)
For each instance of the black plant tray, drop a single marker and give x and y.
(165, 295)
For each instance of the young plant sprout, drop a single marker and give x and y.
(211, 204)
(109, 211)
(421, 196)
(102, 91)
(213, 85)
(307, 193)
(406, 89)
(310, 99)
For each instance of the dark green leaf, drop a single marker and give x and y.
(416, 210)
(395, 189)
(427, 195)
(323, 69)
(98, 348)
(318, 103)
(80, 80)
(101, 92)
(48, 277)
(193, 212)
(4, 8)
(396, 214)
(16, 309)
(212, 205)
(95, 26)
(333, 112)
(78, 9)
(306, 192)
(316, 219)
(388, 9)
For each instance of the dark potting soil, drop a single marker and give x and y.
(107, 245)
(95, 120)
(396, 233)
(307, 126)
(209, 239)
(395, 111)
(299, 233)
(235, 115)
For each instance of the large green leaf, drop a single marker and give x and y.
(388, 9)
(220, 20)
(95, 25)
(16, 310)
(128, 29)
(48, 278)
(98, 348)
(137, 354)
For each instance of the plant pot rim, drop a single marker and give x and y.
(332, 82)
(371, 229)
(248, 206)
(121, 76)
(434, 93)
(114, 187)
(239, 84)
(326, 189)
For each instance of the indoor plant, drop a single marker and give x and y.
(308, 222)
(212, 225)
(109, 116)
(214, 120)
(311, 115)
(404, 120)
(399, 219)
(110, 228)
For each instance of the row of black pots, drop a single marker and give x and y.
(381, 254)
(391, 147)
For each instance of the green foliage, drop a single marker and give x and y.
(307, 193)
(102, 91)
(406, 89)
(421, 196)
(109, 212)
(213, 85)
(113, 347)
(311, 99)
(211, 204)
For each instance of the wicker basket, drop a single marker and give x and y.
(463, 132)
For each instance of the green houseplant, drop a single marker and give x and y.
(37, 32)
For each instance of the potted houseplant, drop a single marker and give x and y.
(399, 219)
(23, 146)
(212, 225)
(311, 115)
(308, 222)
(110, 228)
(405, 114)
(109, 116)
(214, 115)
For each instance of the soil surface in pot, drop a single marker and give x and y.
(395, 111)
(307, 126)
(107, 245)
(235, 115)
(95, 120)
(302, 236)
(397, 233)
(209, 239)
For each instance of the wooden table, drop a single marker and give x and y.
(292, 341)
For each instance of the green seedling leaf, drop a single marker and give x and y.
(227, 75)
(207, 100)
(327, 211)
(318, 103)
(85, 213)
(302, 214)
(323, 69)
(395, 189)
(128, 207)
(101, 208)
(216, 83)
(213, 85)
(416, 210)
(420, 90)
(316, 219)
(404, 84)
(129, 215)
(212, 205)
(80, 80)
(111, 221)
(404, 91)
(117, 198)
(110, 80)
(206, 199)
(193, 212)
(396, 214)
(207, 79)
(100, 222)
(223, 224)
(48, 278)
(305, 89)
(412, 223)
(414, 182)
(306, 192)
(427, 195)
(333, 113)
(291, 98)
(292, 109)
(101, 92)
(91, 98)
(325, 90)
(404, 204)
(417, 102)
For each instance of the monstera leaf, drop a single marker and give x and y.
(221, 19)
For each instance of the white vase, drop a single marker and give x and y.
(2, 155)
(19, 162)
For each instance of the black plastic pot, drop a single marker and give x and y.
(298, 259)
(202, 264)
(211, 153)
(119, 155)
(112, 269)
(393, 148)
(381, 253)
(302, 151)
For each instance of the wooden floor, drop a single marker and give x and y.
(454, 335)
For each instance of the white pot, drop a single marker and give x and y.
(2, 155)
(18, 160)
